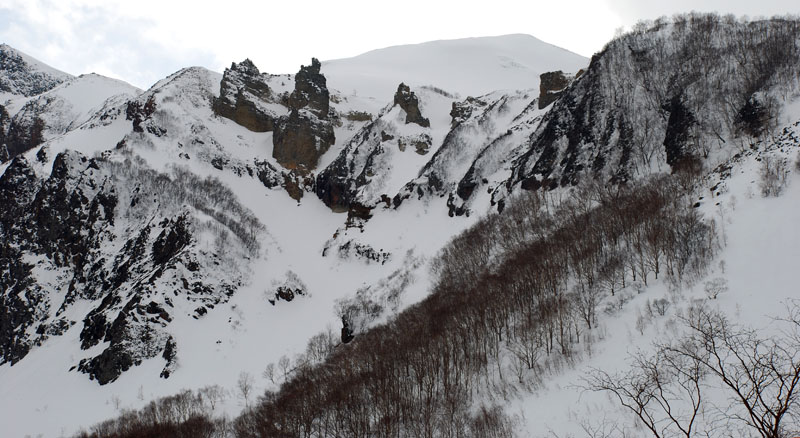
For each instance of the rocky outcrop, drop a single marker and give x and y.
(306, 133)
(67, 221)
(638, 105)
(23, 134)
(300, 139)
(551, 86)
(461, 111)
(244, 95)
(409, 102)
(138, 112)
(311, 91)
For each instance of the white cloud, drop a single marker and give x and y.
(142, 41)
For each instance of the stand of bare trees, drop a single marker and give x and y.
(518, 291)
(515, 297)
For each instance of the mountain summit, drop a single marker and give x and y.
(464, 67)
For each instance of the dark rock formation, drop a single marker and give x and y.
(300, 139)
(172, 239)
(409, 102)
(307, 133)
(551, 86)
(268, 174)
(338, 184)
(311, 91)
(462, 111)
(137, 112)
(243, 92)
(347, 331)
(24, 132)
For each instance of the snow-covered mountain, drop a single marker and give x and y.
(464, 67)
(138, 220)
(190, 234)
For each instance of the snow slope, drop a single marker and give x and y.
(464, 67)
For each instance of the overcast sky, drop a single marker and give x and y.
(142, 41)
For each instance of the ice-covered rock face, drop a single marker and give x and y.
(656, 100)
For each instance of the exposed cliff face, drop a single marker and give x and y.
(367, 170)
(637, 107)
(306, 133)
(245, 97)
(300, 139)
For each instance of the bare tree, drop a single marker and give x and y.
(284, 363)
(245, 387)
(662, 390)
(269, 372)
(761, 374)
(214, 394)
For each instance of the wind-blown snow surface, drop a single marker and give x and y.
(467, 67)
